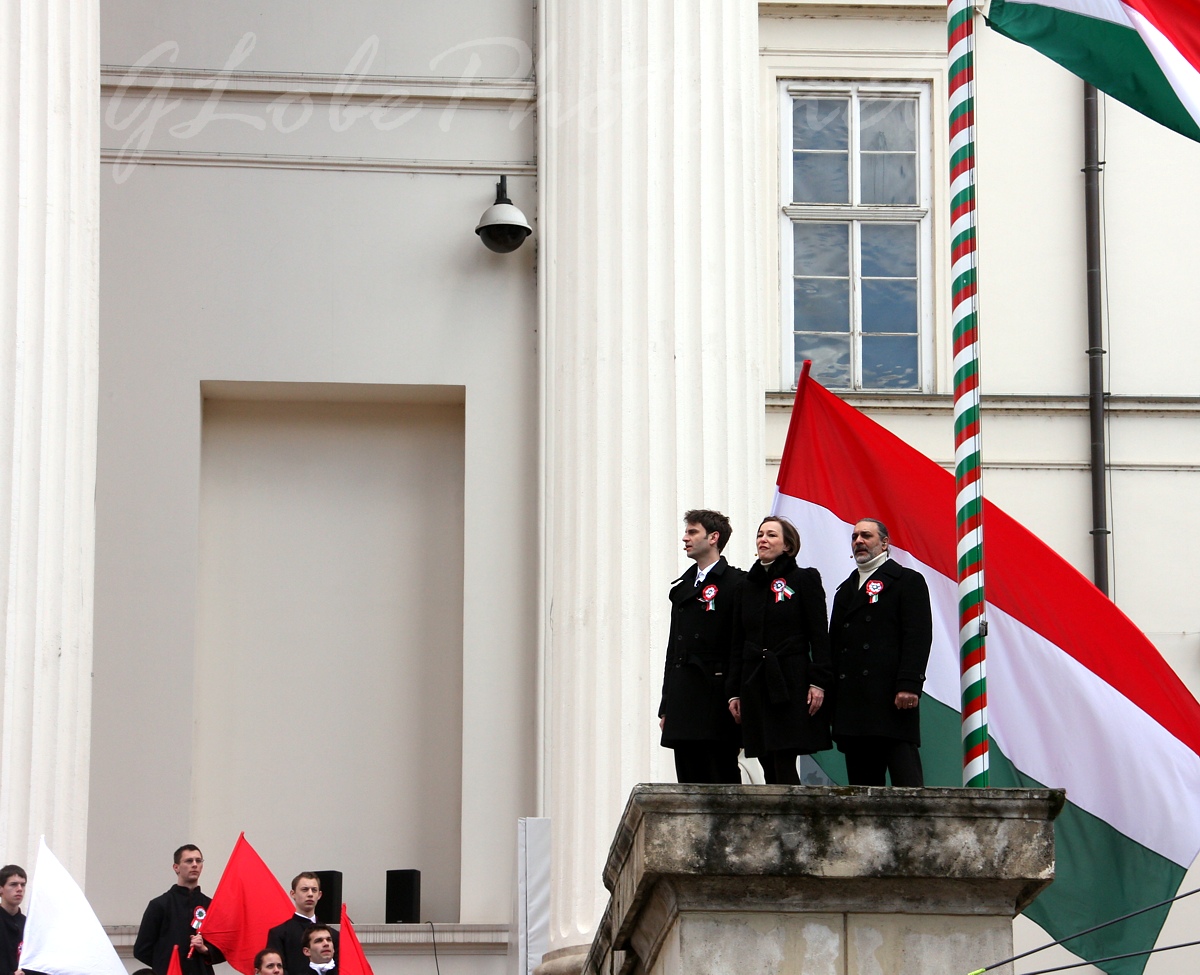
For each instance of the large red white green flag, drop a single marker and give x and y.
(1145, 53)
(1078, 697)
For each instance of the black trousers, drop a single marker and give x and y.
(779, 768)
(868, 759)
(712, 762)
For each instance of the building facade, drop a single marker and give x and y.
(383, 522)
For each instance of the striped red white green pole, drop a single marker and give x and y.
(967, 441)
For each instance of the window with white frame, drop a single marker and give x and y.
(856, 234)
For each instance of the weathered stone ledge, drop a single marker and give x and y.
(829, 851)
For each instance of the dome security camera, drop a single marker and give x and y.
(503, 227)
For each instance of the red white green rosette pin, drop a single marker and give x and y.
(874, 588)
(782, 590)
(708, 596)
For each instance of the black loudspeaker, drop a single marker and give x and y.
(329, 907)
(403, 897)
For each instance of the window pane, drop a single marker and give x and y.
(889, 361)
(822, 305)
(821, 249)
(889, 177)
(820, 123)
(889, 305)
(888, 123)
(830, 356)
(889, 250)
(820, 177)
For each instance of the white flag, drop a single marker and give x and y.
(63, 936)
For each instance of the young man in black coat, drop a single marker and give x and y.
(12, 921)
(880, 632)
(172, 919)
(692, 714)
(318, 950)
(288, 938)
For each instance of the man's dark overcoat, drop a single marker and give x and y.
(288, 940)
(168, 921)
(693, 694)
(879, 648)
(780, 648)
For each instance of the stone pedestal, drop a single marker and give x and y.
(820, 881)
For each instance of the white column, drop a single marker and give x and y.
(649, 271)
(49, 214)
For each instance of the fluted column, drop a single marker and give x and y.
(49, 124)
(652, 335)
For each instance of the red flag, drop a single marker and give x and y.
(1074, 689)
(174, 968)
(351, 960)
(248, 902)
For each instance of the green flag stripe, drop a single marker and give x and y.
(965, 107)
(1100, 873)
(962, 196)
(966, 419)
(1113, 58)
(963, 152)
(966, 235)
(972, 508)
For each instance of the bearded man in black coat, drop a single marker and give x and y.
(880, 632)
(692, 714)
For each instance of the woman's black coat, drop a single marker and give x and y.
(780, 647)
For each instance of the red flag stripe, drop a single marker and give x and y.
(919, 509)
(1177, 21)
(351, 958)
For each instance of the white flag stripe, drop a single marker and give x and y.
(63, 936)
(970, 676)
(825, 545)
(1180, 72)
(973, 723)
(1115, 761)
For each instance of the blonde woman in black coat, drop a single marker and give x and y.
(779, 663)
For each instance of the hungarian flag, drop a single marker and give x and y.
(248, 902)
(1078, 697)
(1145, 53)
(351, 960)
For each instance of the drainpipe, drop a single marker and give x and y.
(1095, 352)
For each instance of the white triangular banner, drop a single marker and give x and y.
(63, 936)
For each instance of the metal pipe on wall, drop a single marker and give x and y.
(1095, 351)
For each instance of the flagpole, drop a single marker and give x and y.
(972, 629)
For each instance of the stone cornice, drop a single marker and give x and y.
(444, 167)
(1008, 403)
(198, 83)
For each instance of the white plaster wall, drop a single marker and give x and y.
(463, 38)
(1033, 322)
(328, 695)
(1151, 213)
(331, 256)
